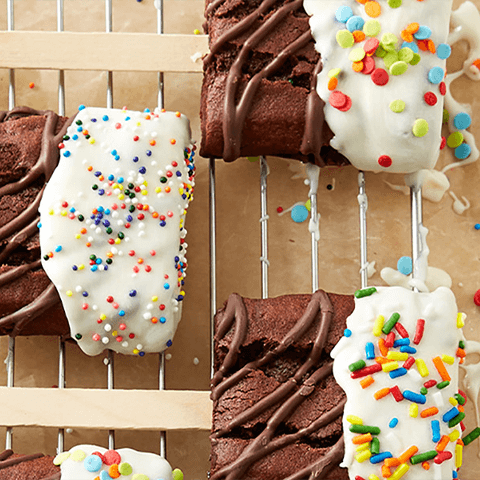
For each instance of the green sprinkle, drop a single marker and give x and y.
(353, 367)
(380, 52)
(455, 421)
(372, 28)
(334, 72)
(390, 323)
(397, 106)
(78, 455)
(140, 476)
(389, 39)
(423, 457)
(364, 429)
(357, 54)
(366, 292)
(444, 384)
(394, 3)
(475, 433)
(398, 68)
(125, 468)
(420, 127)
(177, 474)
(455, 139)
(405, 54)
(78, 336)
(250, 159)
(460, 399)
(375, 446)
(423, 390)
(461, 344)
(345, 38)
(390, 58)
(308, 205)
(446, 115)
(60, 458)
(415, 59)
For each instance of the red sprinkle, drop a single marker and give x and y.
(442, 456)
(430, 98)
(397, 394)
(419, 331)
(443, 88)
(385, 161)
(368, 65)
(409, 362)
(430, 384)
(380, 77)
(401, 330)
(363, 372)
(111, 457)
(98, 454)
(443, 143)
(348, 105)
(476, 298)
(337, 99)
(390, 340)
(371, 46)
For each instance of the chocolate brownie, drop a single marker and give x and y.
(27, 467)
(259, 87)
(277, 410)
(28, 155)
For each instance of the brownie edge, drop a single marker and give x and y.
(277, 410)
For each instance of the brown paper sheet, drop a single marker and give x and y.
(452, 238)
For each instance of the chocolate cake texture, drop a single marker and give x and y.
(27, 467)
(259, 87)
(277, 410)
(28, 155)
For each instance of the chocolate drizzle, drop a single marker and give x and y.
(258, 27)
(286, 398)
(22, 228)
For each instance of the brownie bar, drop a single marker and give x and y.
(259, 87)
(277, 410)
(28, 155)
(27, 467)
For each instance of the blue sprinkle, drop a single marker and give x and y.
(463, 151)
(454, 474)
(162, 319)
(120, 180)
(149, 153)
(105, 267)
(105, 118)
(93, 463)
(411, 45)
(39, 225)
(343, 13)
(101, 191)
(414, 397)
(94, 120)
(462, 121)
(121, 313)
(166, 286)
(133, 293)
(380, 457)
(97, 174)
(111, 177)
(370, 351)
(98, 261)
(104, 475)
(405, 265)
(106, 223)
(452, 413)
(180, 298)
(142, 170)
(299, 213)
(178, 173)
(162, 223)
(81, 107)
(408, 349)
(477, 226)
(347, 332)
(113, 152)
(169, 343)
(135, 159)
(443, 51)
(107, 211)
(423, 33)
(141, 354)
(85, 294)
(66, 153)
(401, 342)
(117, 157)
(435, 75)
(58, 248)
(399, 372)
(94, 268)
(72, 210)
(355, 23)
(79, 129)
(393, 422)
(435, 431)
(147, 110)
(177, 259)
(74, 268)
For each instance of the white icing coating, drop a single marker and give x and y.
(441, 337)
(459, 206)
(436, 277)
(120, 193)
(370, 268)
(145, 466)
(370, 129)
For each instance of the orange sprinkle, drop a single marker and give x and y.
(155, 214)
(153, 142)
(429, 412)
(358, 36)
(462, 360)
(386, 471)
(367, 381)
(423, 45)
(363, 2)
(383, 392)
(357, 66)
(392, 462)
(359, 439)
(173, 141)
(168, 189)
(441, 445)
(439, 365)
(90, 168)
(431, 46)
(140, 260)
(408, 37)
(412, 28)
(373, 9)
(425, 465)
(83, 231)
(460, 442)
(147, 117)
(178, 114)
(476, 63)
(382, 347)
(113, 471)
(154, 320)
(88, 244)
(408, 453)
(332, 83)
(460, 408)
(461, 352)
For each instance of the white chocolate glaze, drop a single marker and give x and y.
(112, 227)
(436, 277)
(370, 130)
(81, 463)
(441, 337)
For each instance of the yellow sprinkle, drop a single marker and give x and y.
(117, 241)
(448, 359)
(461, 319)
(334, 72)
(388, 367)
(50, 212)
(458, 455)
(135, 351)
(397, 356)
(180, 191)
(154, 298)
(138, 124)
(158, 190)
(196, 31)
(362, 456)
(377, 327)
(399, 472)
(64, 213)
(422, 367)
(81, 267)
(413, 410)
(354, 420)
(363, 446)
(453, 401)
(68, 293)
(144, 192)
(182, 293)
(114, 333)
(91, 141)
(372, 476)
(78, 236)
(121, 196)
(454, 435)
(103, 316)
